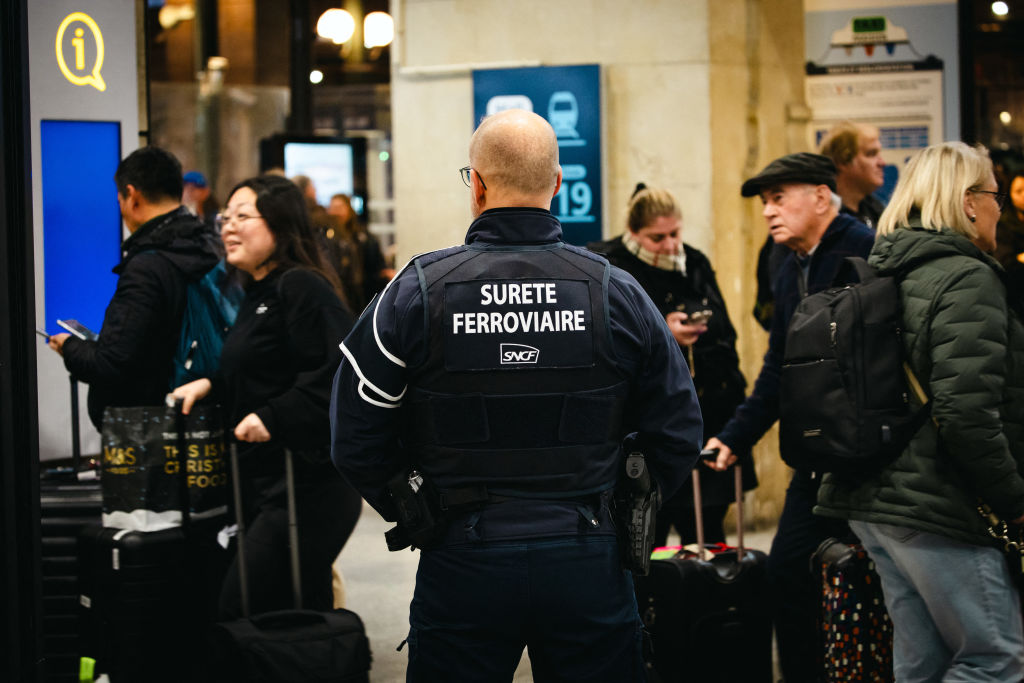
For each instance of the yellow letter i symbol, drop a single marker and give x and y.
(79, 44)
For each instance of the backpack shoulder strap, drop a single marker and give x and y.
(854, 269)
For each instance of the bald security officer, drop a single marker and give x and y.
(505, 374)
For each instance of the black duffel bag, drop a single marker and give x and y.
(287, 646)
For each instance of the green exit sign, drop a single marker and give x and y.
(869, 24)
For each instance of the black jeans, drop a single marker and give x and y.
(327, 509)
(794, 588)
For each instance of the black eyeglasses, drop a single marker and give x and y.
(1000, 197)
(464, 172)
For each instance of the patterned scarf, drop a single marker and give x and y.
(669, 262)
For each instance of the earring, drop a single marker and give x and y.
(972, 218)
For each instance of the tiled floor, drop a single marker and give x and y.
(379, 585)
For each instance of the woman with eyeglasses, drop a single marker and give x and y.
(277, 366)
(950, 593)
(681, 283)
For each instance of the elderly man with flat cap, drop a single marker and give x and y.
(801, 211)
(501, 381)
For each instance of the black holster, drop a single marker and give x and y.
(420, 517)
(637, 499)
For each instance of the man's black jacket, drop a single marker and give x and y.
(844, 237)
(130, 364)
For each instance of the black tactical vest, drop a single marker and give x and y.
(520, 392)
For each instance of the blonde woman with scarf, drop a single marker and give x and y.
(681, 283)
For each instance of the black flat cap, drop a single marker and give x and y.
(804, 167)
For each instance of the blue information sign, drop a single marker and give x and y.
(569, 98)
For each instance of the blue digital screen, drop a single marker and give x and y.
(331, 167)
(81, 219)
(569, 98)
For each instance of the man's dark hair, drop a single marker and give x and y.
(154, 172)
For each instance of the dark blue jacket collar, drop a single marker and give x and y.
(838, 228)
(515, 225)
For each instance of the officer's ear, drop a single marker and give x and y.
(478, 188)
(558, 182)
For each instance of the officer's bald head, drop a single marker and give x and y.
(516, 153)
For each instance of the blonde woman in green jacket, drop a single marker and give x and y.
(953, 602)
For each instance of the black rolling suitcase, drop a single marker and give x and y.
(69, 500)
(855, 627)
(288, 646)
(66, 507)
(708, 618)
(148, 597)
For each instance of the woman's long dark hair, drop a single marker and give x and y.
(283, 207)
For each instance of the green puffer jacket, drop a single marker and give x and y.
(967, 349)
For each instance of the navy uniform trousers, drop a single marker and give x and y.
(566, 599)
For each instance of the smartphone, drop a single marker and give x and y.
(698, 317)
(78, 329)
(42, 333)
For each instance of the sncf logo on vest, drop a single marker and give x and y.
(515, 354)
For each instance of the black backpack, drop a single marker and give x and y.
(845, 398)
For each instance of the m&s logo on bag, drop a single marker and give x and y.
(116, 457)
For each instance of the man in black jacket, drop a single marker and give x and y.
(131, 362)
(802, 213)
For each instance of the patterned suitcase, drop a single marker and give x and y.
(855, 626)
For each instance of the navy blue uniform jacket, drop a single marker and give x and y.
(391, 337)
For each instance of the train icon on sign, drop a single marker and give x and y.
(563, 114)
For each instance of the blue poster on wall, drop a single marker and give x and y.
(569, 98)
(81, 219)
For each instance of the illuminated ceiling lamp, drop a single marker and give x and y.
(378, 30)
(337, 25)
(170, 16)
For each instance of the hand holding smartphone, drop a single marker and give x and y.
(698, 317)
(78, 329)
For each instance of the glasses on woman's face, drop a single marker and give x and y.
(224, 219)
(1000, 197)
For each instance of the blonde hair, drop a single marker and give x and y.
(933, 186)
(648, 204)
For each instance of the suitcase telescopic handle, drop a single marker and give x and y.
(698, 508)
(236, 488)
(293, 528)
